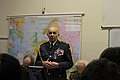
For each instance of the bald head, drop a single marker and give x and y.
(53, 33)
(80, 65)
(27, 61)
(53, 28)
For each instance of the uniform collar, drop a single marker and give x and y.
(53, 42)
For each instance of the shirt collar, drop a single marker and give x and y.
(53, 42)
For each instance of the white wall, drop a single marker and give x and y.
(111, 12)
(94, 39)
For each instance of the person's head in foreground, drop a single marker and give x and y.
(112, 54)
(9, 67)
(101, 69)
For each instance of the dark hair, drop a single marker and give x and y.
(100, 69)
(9, 67)
(112, 54)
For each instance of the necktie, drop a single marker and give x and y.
(51, 46)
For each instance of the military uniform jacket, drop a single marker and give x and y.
(60, 53)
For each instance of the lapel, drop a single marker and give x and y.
(45, 48)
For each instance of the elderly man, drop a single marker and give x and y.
(56, 56)
(80, 65)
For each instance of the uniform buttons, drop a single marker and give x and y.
(50, 56)
(59, 75)
(48, 73)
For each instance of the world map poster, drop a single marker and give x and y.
(27, 33)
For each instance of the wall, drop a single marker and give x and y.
(111, 12)
(94, 39)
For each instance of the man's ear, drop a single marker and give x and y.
(47, 34)
(58, 34)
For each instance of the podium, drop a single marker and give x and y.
(37, 73)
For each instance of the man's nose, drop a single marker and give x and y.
(52, 34)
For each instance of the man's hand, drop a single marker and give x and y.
(50, 65)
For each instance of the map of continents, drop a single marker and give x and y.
(27, 33)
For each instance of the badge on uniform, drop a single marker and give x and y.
(59, 52)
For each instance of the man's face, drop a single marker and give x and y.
(53, 34)
(27, 61)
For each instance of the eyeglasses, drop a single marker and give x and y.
(52, 33)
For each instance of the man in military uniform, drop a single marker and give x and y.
(56, 56)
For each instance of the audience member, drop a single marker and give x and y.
(28, 60)
(80, 65)
(101, 69)
(9, 67)
(112, 54)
